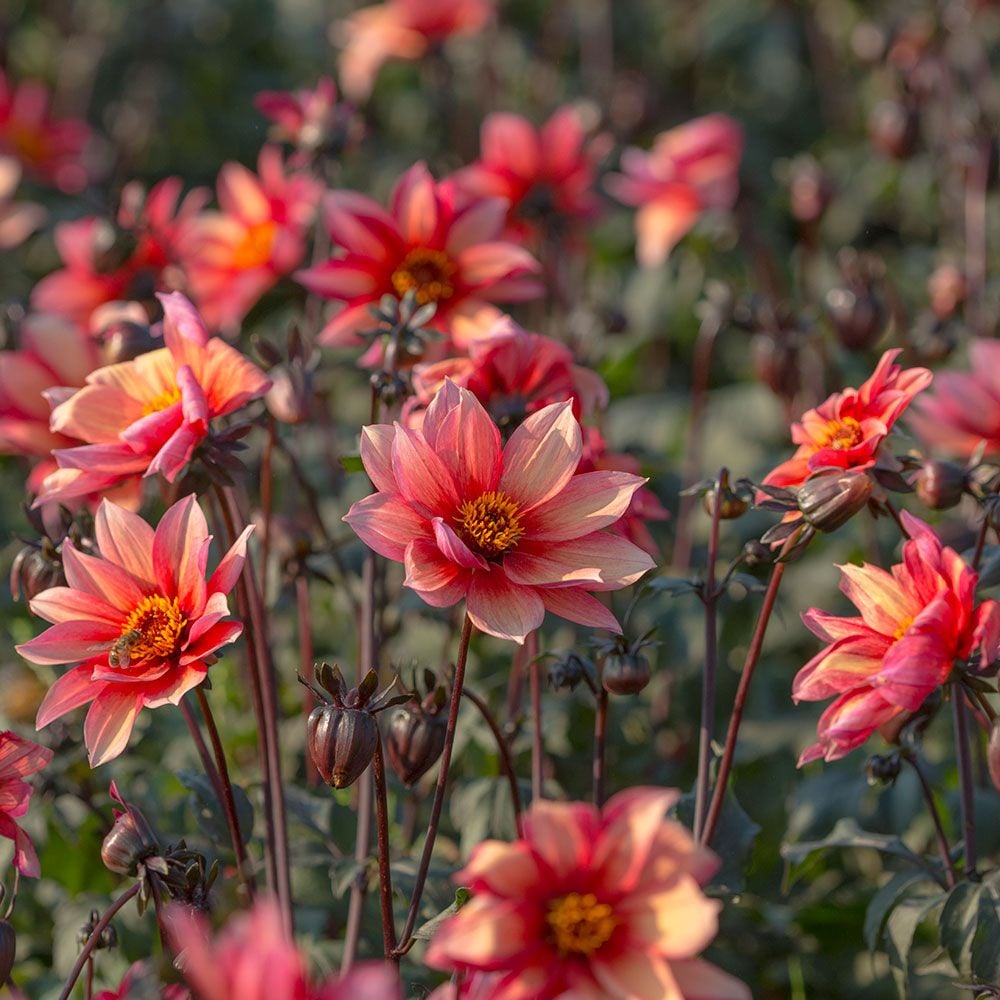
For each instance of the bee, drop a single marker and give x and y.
(119, 655)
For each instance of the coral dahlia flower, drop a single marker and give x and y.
(512, 529)
(18, 759)
(690, 169)
(916, 622)
(234, 256)
(594, 904)
(18, 219)
(141, 618)
(251, 958)
(847, 431)
(148, 415)
(963, 411)
(449, 255)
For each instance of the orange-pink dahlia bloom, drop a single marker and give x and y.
(252, 958)
(445, 252)
(690, 169)
(590, 904)
(19, 758)
(916, 622)
(963, 411)
(848, 430)
(148, 416)
(140, 616)
(513, 530)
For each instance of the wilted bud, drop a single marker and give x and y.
(625, 673)
(37, 567)
(390, 387)
(883, 768)
(342, 743)
(756, 553)
(415, 742)
(569, 670)
(108, 937)
(777, 363)
(941, 484)
(893, 129)
(8, 950)
(290, 397)
(993, 754)
(733, 502)
(829, 501)
(130, 841)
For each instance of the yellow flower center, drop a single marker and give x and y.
(427, 271)
(902, 627)
(166, 398)
(254, 250)
(579, 923)
(489, 524)
(841, 434)
(152, 630)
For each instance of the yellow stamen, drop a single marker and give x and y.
(489, 524)
(152, 629)
(841, 434)
(579, 923)
(166, 398)
(902, 627)
(427, 271)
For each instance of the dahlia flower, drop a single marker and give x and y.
(847, 431)
(511, 530)
(963, 411)
(916, 622)
(148, 415)
(596, 904)
(141, 617)
(18, 219)
(234, 256)
(19, 758)
(449, 255)
(307, 119)
(140, 980)
(251, 958)
(690, 169)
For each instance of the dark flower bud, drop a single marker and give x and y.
(625, 673)
(947, 289)
(756, 553)
(809, 189)
(37, 567)
(417, 731)
(342, 743)
(125, 340)
(993, 754)
(569, 670)
(390, 387)
(858, 315)
(777, 363)
(883, 768)
(941, 484)
(290, 396)
(130, 842)
(108, 938)
(829, 501)
(733, 501)
(8, 950)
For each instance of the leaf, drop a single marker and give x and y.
(351, 463)
(749, 583)
(672, 585)
(985, 959)
(885, 900)
(899, 931)
(207, 809)
(733, 841)
(427, 930)
(847, 833)
(959, 922)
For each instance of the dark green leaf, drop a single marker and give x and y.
(351, 463)
(426, 931)
(959, 919)
(885, 900)
(985, 959)
(207, 809)
(733, 841)
(899, 931)
(672, 585)
(847, 833)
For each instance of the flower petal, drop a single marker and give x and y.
(485, 934)
(590, 501)
(677, 922)
(636, 975)
(101, 578)
(503, 608)
(440, 582)
(70, 642)
(423, 478)
(126, 539)
(180, 554)
(700, 980)
(576, 605)
(109, 723)
(601, 561)
(73, 689)
(542, 455)
(63, 604)
(387, 525)
(230, 566)
(453, 548)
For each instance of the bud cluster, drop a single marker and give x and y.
(417, 731)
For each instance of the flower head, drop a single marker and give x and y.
(589, 903)
(18, 759)
(148, 415)
(691, 168)
(309, 120)
(513, 530)
(18, 219)
(847, 431)
(428, 244)
(916, 622)
(141, 618)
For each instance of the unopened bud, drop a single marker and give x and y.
(415, 741)
(625, 673)
(36, 568)
(342, 743)
(858, 315)
(947, 289)
(733, 503)
(125, 340)
(809, 189)
(883, 768)
(828, 502)
(130, 841)
(941, 484)
(290, 395)
(568, 671)
(8, 950)
(756, 553)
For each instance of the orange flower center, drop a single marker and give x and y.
(254, 250)
(166, 398)
(902, 627)
(841, 434)
(152, 629)
(428, 272)
(489, 524)
(579, 924)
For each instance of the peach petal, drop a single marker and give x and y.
(180, 554)
(700, 980)
(600, 561)
(636, 975)
(230, 566)
(878, 597)
(502, 608)
(661, 224)
(75, 688)
(589, 502)
(109, 723)
(847, 663)
(437, 580)
(376, 454)
(485, 934)
(415, 205)
(561, 834)
(174, 685)
(576, 605)
(386, 525)
(454, 549)
(126, 539)
(481, 222)
(542, 455)
(674, 923)
(101, 578)
(460, 430)
(423, 478)
(505, 870)
(63, 604)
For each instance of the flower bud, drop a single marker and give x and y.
(756, 553)
(125, 340)
(947, 289)
(569, 670)
(290, 395)
(130, 841)
(415, 741)
(829, 501)
(809, 189)
(36, 568)
(941, 484)
(993, 754)
(342, 743)
(733, 503)
(8, 950)
(625, 673)
(883, 768)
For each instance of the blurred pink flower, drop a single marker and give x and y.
(450, 255)
(400, 29)
(140, 616)
(848, 430)
(690, 169)
(233, 257)
(147, 416)
(18, 219)
(251, 958)
(138, 981)
(50, 149)
(18, 759)
(546, 174)
(915, 623)
(511, 530)
(963, 411)
(310, 120)
(131, 259)
(590, 904)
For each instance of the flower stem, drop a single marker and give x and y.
(977, 555)
(943, 849)
(600, 744)
(384, 869)
(425, 859)
(504, 749)
(267, 499)
(306, 665)
(965, 783)
(537, 748)
(95, 936)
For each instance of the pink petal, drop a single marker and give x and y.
(230, 566)
(423, 478)
(180, 554)
(486, 934)
(481, 222)
(386, 525)
(503, 608)
(20, 756)
(415, 205)
(25, 858)
(454, 549)
(542, 455)
(339, 279)
(602, 561)
(661, 223)
(376, 454)
(73, 689)
(590, 501)
(217, 635)
(126, 539)
(63, 604)
(700, 980)
(437, 580)
(505, 870)
(109, 723)
(69, 642)
(174, 685)
(360, 225)
(878, 596)
(677, 922)
(485, 265)
(636, 975)
(511, 142)
(576, 605)
(561, 834)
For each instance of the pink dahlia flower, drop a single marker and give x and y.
(141, 617)
(963, 412)
(234, 256)
(148, 415)
(18, 219)
(594, 904)
(310, 120)
(18, 759)
(251, 958)
(915, 623)
(449, 255)
(847, 431)
(512, 529)
(690, 169)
